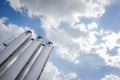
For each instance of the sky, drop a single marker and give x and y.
(85, 33)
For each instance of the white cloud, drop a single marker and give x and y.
(109, 60)
(76, 37)
(111, 40)
(50, 72)
(65, 53)
(70, 76)
(118, 50)
(111, 77)
(108, 43)
(73, 39)
(91, 26)
(58, 10)
(10, 31)
(114, 61)
(15, 4)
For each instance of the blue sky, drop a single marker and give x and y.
(86, 35)
(22, 20)
(110, 20)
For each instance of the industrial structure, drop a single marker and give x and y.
(24, 57)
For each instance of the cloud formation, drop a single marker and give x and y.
(51, 72)
(61, 10)
(76, 37)
(9, 31)
(111, 77)
(50, 68)
(70, 76)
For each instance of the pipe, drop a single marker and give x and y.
(36, 70)
(44, 65)
(11, 59)
(7, 42)
(21, 61)
(28, 66)
(13, 46)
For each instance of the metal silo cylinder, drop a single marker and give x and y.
(11, 59)
(39, 65)
(14, 45)
(22, 60)
(30, 63)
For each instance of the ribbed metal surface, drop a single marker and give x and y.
(24, 58)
